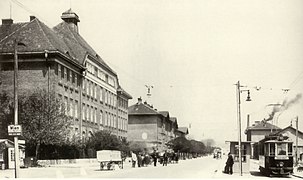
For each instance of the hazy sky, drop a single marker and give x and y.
(193, 52)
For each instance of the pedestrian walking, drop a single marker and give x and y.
(134, 159)
(154, 156)
(139, 158)
(229, 164)
(165, 158)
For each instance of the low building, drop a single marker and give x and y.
(147, 125)
(259, 130)
(182, 132)
(290, 132)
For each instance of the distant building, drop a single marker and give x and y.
(290, 132)
(60, 59)
(259, 130)
(147, 125)
(182, 132)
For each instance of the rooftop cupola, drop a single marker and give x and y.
(71, 18)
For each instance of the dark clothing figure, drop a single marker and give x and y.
(154, 156)
(165, 159)
(139, 158)
(229, 164)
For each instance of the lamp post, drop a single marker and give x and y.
(238, 92)
(16, 144)
(296, 149)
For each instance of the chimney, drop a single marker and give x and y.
(32, 18)
(7, 21)
(71, 19)
(139, 100)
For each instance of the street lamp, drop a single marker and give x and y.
(296, 149)
(16, 144)
(238, 92)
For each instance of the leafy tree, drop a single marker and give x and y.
(104, 140)
(6, 114)
(44, 120)
(180, 144)
(137, 146)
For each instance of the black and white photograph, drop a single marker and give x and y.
(151, 89)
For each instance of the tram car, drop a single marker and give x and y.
(275, 155)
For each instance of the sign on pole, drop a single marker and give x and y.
(14, 130)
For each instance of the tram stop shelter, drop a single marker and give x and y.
(246, 154)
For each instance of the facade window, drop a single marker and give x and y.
(59, 70)
(95, 113)
(96, 71)
(105, 119)
(62, 72)
(76, 109)
(92, 89)
(101, 94)
(83, 111)
(88, 113)
(87, 87)
(73, 76)
(105, 96)
(83, 85)
(92, 114)
(65, 73)
(96, 90)
(101, 117)
(66, 105)
(71, 105)
(111, 81)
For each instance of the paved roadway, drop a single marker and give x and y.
(205, 167)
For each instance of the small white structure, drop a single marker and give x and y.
(109, 159)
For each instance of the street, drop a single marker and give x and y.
(205, 167)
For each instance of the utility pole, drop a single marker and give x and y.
(16, 144)
(239, 123)
(297, 118)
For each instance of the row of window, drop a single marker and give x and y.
(97, 92)
(68, 75)
(123, 103)
(100, 74)
(90, 114)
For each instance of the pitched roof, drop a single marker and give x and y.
(173, 119)
(78, 47)
(164, 113)
(183, 130)
(124, 93)
(36, 36)
(263, 125)
(289, 128)
(141, 109)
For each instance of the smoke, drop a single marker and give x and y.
(284, 106)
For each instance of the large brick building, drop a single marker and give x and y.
(152, 127)
(60, 60)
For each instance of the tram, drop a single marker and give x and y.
(275, 155)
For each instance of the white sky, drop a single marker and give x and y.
(193, 52)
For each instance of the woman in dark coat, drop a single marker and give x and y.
(229, 164)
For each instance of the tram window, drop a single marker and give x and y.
(271, 149)
(281, 148)
(289, 149)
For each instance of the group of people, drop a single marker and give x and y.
(145, 159)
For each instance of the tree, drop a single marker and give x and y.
(43, 119)
(104, 140)
(6, 114)
(180, 144)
